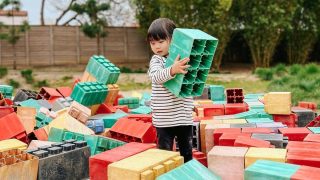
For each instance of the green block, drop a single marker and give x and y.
(92, 142)
(141, 110)
(259, 120)
(89, 93)
(200, 48)
(68, 135)
(103, 70)
(131, 102)
(31, 103)
(6, 91)
(247, 114)
(217, 93)
(219, 102)
(315, 130)
(190, 170)
(42, 120)
(255, 96)
(56, 135)
(264, 169)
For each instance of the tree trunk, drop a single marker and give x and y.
(42, 12)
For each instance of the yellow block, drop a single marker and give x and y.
(209, 134)
(17, 164)
(277, 98)
(178, 161)
(138, 166)
(277, 109)
(147, 175)
(65, 121)
(158, 170)
(234, 121)
(12, 144)
(273, 154)
(202, 102)
(203, 124)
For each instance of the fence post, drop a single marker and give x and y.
(78, 44)
(51, 46)
(0, 52)
(27, 49)
(125, 41)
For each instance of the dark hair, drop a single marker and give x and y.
(161, 28)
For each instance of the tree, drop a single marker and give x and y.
(94, 27)
(12, 32)
(304, 32)
(212, 16)
(42, 12)
(263, 22)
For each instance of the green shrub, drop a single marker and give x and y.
(3, 72)
(125, 70)
(280, 69)
(312, 68)
(27, 74)
(264, 73)
(66, 78)
(43, 83)
(295, 69)
(13, 83)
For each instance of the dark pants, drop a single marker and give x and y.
(184, 136)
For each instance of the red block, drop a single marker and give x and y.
(308, 105)
(129, 130)
(198, 119)
(234, 95)
(257, 130)
(235, 108)
(5, 110)
(289, 120)
(98, 164)
(312, 138)
(123, 108)
(48, 93)
(116, 99)
(307, 157)
(303, 145)
(218, 132)
(9, 102)
(41, 134)
(201, 157)
(141, 117)
(11, 127)
(228, 139)
(213, 110)
(306, 173)
(248, 142)
(295, 134)
(105, 109)
(64, 91)
(75, 82)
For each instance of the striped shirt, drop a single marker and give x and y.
(167, 109)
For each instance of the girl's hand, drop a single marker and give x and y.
(179, 66)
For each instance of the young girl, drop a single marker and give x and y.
(171, 116)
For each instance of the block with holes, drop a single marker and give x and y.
(89, 93)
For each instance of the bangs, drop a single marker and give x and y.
(161, 28)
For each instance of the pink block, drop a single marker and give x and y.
(227, 162)
(312, 138)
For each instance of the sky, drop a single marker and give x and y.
(118, 15)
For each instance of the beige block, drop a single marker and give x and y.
(203, 124)
(35, 144)
(227, 162)
(12, 144)
(79, 112)
(234, 121)
(209, 134)
(27, 117)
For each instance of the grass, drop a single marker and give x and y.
(3, 72)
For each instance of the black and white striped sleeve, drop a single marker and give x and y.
(157, 72)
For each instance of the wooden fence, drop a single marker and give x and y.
(59, 45)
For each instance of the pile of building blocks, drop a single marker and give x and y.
(92, 131)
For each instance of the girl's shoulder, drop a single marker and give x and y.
(157, 57)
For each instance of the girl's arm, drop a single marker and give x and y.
(157, 73)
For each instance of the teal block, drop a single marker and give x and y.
(109, 119)
(89, 93)
(217, 93)
(141, 110)
(253, 96)
(219, 102)
(31, 103)
(6, 91)
(56, 135)
(315, 130)
(200, 48)
(264, 169)
(250, 100)
(190, 171)
(132, 102)
(257, 107)
(42, 120)
(103, 70)
(145, 97)
(247, 114)
(259, 120)
(68, 135)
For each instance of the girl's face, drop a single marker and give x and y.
(160, 47)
